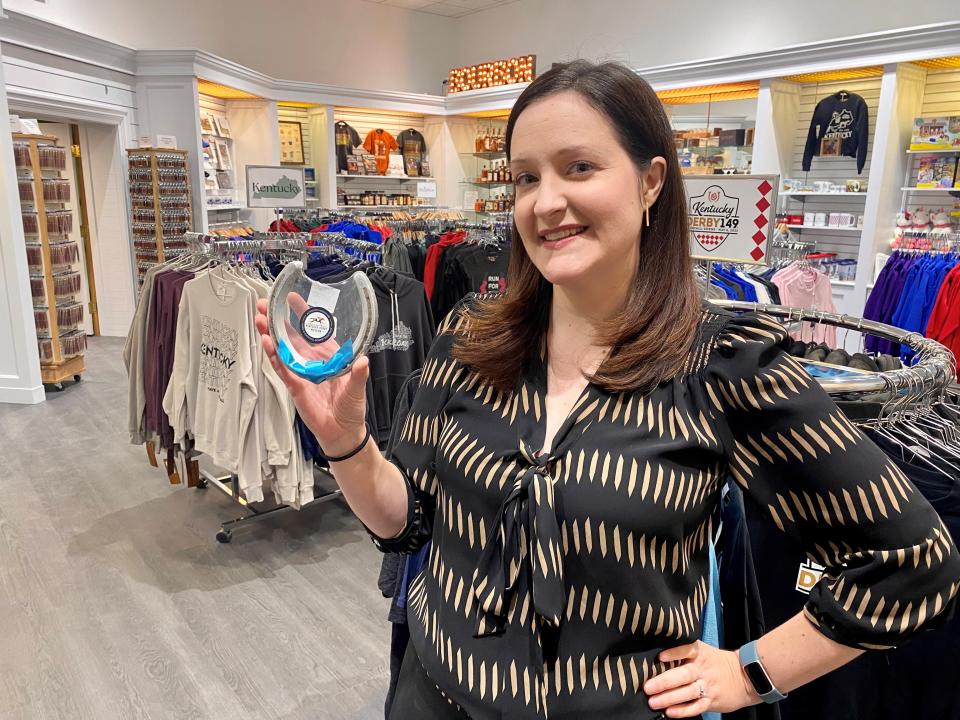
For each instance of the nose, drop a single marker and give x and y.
(551, 201)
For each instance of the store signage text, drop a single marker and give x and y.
(731, 216)
(492, 74)
(271, 186)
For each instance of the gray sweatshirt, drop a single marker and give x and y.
(212, 394)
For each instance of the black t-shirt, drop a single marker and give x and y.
(413, 147)
(346, 140)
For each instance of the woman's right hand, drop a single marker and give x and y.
(334, 410)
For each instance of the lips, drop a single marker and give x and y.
(561, 233)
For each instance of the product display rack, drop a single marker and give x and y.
(160, 205)
(58, 314)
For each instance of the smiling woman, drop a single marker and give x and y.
(568, 445)
(600, 216)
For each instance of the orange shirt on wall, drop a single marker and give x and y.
(379, 143)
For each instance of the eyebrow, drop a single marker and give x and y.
(569, 150)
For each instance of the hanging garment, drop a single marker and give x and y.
(212, 395)
(840, 126)
(380, 143)
(802, 286)
(346, 139)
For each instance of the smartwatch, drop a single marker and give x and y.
(762, 684)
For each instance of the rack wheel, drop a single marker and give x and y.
(202, 484)
(76, 378)
(224, 536)
(58, 386)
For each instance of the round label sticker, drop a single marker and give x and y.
(317, 324)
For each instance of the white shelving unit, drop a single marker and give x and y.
(826, 228)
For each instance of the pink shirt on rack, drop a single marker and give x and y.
(809, 289)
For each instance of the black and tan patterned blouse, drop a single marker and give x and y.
(554, 581)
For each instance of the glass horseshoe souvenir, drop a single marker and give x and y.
(321, 329)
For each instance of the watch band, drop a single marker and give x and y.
(762, 684)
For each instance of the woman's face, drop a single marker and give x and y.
(578, 193)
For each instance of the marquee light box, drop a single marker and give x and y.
(492, 74)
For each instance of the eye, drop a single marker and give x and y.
(581, 167)
(524, 179)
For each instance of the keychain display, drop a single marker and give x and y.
(321, 329)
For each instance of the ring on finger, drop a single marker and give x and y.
(701, 690)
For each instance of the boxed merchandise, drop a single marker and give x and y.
(936, 133)
(736, 138)
(936, 171)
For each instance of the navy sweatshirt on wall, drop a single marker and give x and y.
(841, 119)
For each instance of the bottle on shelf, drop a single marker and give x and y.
(478, 143)
(485, 175)
(487, 142)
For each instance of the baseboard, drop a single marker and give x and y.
(22, 396)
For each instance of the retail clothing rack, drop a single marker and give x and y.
(51, 256)
(248, 249)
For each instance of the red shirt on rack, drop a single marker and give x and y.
(944, 323)
(434, 253)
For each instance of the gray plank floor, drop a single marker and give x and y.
(119, 603)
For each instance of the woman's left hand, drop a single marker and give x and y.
(708, 680)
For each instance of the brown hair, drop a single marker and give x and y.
(651, 335)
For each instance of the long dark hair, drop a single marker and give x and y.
(651, 334)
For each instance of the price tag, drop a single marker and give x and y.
(168, 142)
(426, 189)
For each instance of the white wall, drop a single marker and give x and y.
(351, 44)
(19, 361)
(645, 34)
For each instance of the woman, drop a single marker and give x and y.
(567, 446)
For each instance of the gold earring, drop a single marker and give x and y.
(646, 207)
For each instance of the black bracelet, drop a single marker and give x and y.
(353, 452)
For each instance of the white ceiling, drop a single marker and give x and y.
(449, 8)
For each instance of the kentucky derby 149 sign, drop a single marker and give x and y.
(731, 216)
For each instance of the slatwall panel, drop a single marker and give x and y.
(218, 108)
(394, 123)
(295, 114)
(941, 98)
(831, 169)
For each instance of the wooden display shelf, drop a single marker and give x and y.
(155, 181)
(51, 139)
(55, 373)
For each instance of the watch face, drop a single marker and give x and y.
(761, 683)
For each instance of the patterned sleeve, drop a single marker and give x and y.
(416, 448)
(891, 564)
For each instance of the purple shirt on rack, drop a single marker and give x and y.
(158, 356)
(884, 299)
(165, 352)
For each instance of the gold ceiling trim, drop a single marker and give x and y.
(710, 93)
(838, 75)
(944, 63)
(223, 92)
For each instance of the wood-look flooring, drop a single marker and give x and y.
(117, 602)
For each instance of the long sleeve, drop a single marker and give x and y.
(422, 432)
(250, 456)
(862, 133)
(175, 397)
(891, 567)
